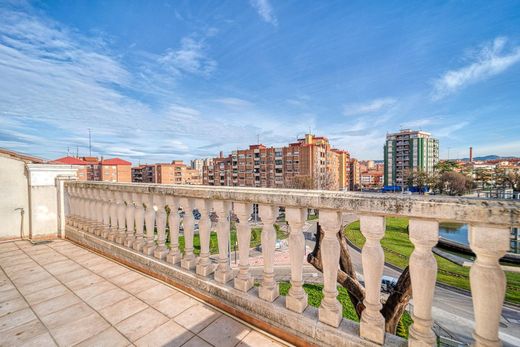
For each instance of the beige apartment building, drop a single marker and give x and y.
(309, 163)
(175, 172)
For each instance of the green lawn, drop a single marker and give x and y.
(315, 294)
(213, 243)
(398, 247)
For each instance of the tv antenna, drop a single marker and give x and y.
(89, 142)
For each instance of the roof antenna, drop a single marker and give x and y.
(77, 151)
(89, 143)
(68, 151)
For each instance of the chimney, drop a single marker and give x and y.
(221, 154)
(471, 154)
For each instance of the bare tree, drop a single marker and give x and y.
(396, 303)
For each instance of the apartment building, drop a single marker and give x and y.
(175, 172)
(371, 179)
(309, 163)
(93, 169)
(355, 175)
(81, 166)
(408, 151)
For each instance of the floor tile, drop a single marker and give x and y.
(224, 332)
(67, 315)
(44, 340)
(156, 293)
(105, 299)
(174, 304)
(141, 323)
(10, 294)
(84, 281)
(109, 338)
(197, 317)
(29, 288)
(55, 304)
(95, 289)
(46, 294)
(169, 334)
(139, 285)
(73, 275)
(79, 330)
(123, 309)
(16, 318)
(113, 271)
(22, 333)
(196, 341)
(255, 339)
(11, 306)
(126, 278)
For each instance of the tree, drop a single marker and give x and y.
(300, 182)
(454, 183)
(445, 166)
(396, 303)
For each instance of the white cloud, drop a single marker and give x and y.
(490, 60)
(191, 57)
(265, 11)
(234, 102)
(371, 106)
(448, 130)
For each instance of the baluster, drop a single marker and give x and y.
(424, 234)
(99, 212)
(330, 311)
(139, 242)
(188, 222)
(79, 208)
(174, 256)
(223, 273)
(149, 219)
(106, 213)
(121, 223)
(84, 209)
(113, 217)
(69, 220)
(243, 281)
(487, 280)
(91, 210)
(204, 266)
(161, 250)
(297, 298)
(268, 288)
(129, 216)
(372, 326)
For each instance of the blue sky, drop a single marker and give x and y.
(157, 81)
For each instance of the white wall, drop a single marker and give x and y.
(13, 195)
(44, 198)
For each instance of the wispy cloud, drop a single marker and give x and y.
(191, 57)
(491, 59)
(371, 106)
(234, 102)
(265, 11)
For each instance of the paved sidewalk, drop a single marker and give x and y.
(61, 294)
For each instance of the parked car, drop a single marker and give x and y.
(388, 284)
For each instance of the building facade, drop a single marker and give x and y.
(408, 151)
(93, 169)
(175, 172)
(309, 163)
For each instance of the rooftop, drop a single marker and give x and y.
(58, 293)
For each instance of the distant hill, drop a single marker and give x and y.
(490, 157)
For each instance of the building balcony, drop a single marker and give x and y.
(120, 275)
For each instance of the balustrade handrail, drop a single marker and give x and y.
(440, 208)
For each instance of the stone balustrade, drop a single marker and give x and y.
(144, 218)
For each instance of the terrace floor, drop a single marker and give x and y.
(58, 293)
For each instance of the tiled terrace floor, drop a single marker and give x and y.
(61, 294)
